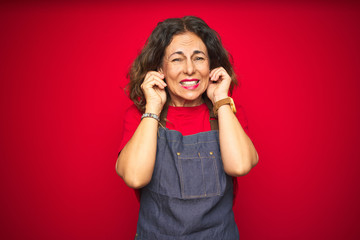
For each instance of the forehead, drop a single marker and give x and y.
(187, 43)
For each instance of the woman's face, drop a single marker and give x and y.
(186, 68)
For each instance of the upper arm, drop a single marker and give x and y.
(131, 121)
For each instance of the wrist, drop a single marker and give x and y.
(219, 97)
(154, 110)
(224, 101)
(150, 115)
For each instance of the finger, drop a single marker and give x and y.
(154, 73)
(152, 78)
(213, 71)
(159, 83)
(153, 81)
(220, 74)
(216, 74)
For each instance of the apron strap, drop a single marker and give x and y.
(213, 120)
(163, 114)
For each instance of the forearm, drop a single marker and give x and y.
(237, 151)
(136, 161)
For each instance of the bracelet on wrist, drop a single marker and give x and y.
(150, 115)
(224, 101)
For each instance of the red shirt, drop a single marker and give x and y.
(187, 120)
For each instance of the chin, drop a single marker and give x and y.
(192, 95)
(192, 98)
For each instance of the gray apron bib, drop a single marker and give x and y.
(189, 197)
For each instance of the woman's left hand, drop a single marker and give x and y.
(219, 84)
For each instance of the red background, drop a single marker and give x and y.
(62, 69)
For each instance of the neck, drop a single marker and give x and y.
(186, 103)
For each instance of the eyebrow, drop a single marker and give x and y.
(182, 53)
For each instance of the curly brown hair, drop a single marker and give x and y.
(151, 56)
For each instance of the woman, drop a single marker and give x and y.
(182, 142)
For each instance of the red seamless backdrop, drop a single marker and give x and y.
(62, 71)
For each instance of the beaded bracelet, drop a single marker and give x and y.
(151, 115)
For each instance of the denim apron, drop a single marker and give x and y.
(189, 196)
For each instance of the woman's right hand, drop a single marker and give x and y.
(153, 88)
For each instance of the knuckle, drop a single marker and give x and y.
(148, 74)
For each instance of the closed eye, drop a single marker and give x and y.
(199, 58)
(176, 60)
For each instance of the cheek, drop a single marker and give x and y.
(206, 83)
(171, 73)
(166, 68)
(204, 69)
(205, 73)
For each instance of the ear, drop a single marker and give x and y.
(160, 70)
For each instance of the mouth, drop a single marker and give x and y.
(190, 83)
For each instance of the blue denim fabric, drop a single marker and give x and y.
(189, 195)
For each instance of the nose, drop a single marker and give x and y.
(189, 68)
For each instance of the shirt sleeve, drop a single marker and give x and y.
(132, 118)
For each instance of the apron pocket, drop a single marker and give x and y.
(199, 176)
